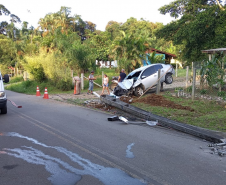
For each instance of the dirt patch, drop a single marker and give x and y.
(158, 100)
(126, 99)
(98, 104)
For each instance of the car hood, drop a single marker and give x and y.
(126, 84)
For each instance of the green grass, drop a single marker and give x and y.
(182, 72)
(206, 114)
(16, 79)
(98, 75)
(29, 87)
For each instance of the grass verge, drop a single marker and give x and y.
(206, 114)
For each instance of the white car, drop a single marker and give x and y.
(3, 98)
(142, 78)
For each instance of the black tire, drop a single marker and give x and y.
(4, 110)
(138, 91)
(168, 78)
(113, 85)
(6, 78)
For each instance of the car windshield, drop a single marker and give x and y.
(133, 75)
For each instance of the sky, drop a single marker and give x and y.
(100, 12)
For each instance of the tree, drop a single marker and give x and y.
(81, 57)
(4, 10)
(4, 24)
(7, 51)
(101, 42)
(113, 28)
(129, 49)
(201, 25)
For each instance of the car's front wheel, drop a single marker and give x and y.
(139, 91)
(4, 110)
(169, 78)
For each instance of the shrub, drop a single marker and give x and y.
(203, 91)
(221, 94)
(189, 89)
(16, 79)
(64, 84)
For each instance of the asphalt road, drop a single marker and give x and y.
(50, 142)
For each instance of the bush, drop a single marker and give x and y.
(64, 84)
(189, 89)
(221, 94)
(203, 91)
(16, 79)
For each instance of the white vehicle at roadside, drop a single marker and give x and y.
(3, 97)
(143, 78)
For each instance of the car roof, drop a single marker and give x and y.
(145, 67)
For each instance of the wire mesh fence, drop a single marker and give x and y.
(190, 84)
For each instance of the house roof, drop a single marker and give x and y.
(212, 51)
(162, 52)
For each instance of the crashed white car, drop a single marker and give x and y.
(142, 78)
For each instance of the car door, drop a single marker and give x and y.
(149, 77)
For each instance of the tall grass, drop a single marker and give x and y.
(30, 86)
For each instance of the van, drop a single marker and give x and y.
(3, 97)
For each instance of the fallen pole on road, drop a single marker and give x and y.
(209, 135)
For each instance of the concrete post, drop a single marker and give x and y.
(176, 69)
(210, 56)
(193, 84)
(82, 81)
(187, 76)
(25, 75)
(158, 83)
(102, 77)
(72, 74)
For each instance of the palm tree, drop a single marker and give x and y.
(130, 49)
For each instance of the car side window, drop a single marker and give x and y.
(157, 67)
(149, 71)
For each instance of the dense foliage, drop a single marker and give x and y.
(63, 42)
(200, 25)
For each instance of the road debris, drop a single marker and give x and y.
(13, 103)
(218, 148)
(127, 121)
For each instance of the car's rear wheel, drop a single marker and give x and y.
(6, 78)
(169, 78)
(4, 110)
(139, 91)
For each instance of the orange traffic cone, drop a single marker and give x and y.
(38, 92)
(46, 96)
(75, 89)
